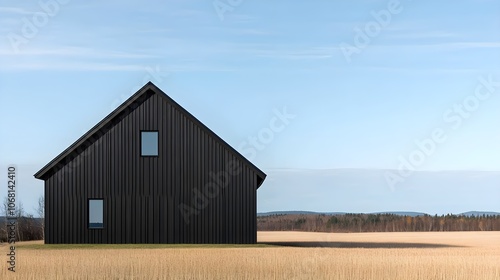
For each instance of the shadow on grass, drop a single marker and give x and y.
(372, 245)
(297, 244)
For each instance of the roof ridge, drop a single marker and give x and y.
(82, 143)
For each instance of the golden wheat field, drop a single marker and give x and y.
(280, 255)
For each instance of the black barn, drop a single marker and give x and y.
(150, 172)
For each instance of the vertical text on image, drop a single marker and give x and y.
(11, 217)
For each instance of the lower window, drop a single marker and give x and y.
(96, 213)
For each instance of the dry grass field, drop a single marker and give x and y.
(289, 255)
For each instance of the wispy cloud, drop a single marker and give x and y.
(441, 70)
(250, 31)
(75, 51)
(241, 18)
(294, 55)
(14, 10)
(190, 13)
(105, 67)
(405, 34)
(445, 46)
(72, 58)
(71, 66)
(468, 45)
(326, 52)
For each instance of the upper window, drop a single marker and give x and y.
(149, 143)
(96, 210)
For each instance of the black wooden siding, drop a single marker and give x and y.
(142, 195)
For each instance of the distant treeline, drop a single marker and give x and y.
(26, 227)
(376, 223)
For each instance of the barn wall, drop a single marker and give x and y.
(177, 197)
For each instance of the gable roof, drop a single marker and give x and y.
(119, 113)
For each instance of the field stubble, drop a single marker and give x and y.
(298, 255)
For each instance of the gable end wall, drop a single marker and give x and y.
(148, 199)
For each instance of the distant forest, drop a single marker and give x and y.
(376, 223)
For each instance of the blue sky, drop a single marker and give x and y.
(64, 65)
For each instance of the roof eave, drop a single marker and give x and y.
(169, 99)
(149, 86)
(94, 129)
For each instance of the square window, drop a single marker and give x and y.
(96, 213)
(149, 143)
